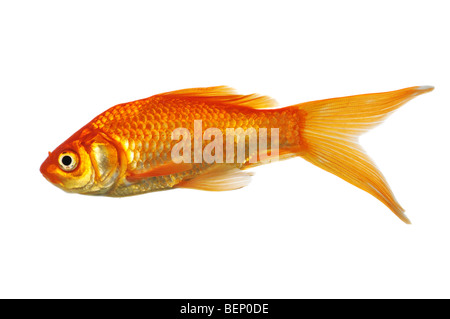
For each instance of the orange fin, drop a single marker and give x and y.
(331, 131)
(225, 95)
(219, 179)
(204, 91)
(162, 170)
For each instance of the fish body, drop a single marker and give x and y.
(130, 148)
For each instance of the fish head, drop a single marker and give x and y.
(87, 163)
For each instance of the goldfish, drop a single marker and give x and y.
(162, 142)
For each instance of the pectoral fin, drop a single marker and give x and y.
(161, 170)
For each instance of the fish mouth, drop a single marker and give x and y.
(81, 190)
(51, 179)
(46, 169)
(84, 189)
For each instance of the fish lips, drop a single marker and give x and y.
(47, 170)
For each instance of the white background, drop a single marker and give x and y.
(296, 231)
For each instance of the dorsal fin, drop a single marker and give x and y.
(203, 92)
(223, 94)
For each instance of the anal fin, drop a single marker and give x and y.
(219, 179)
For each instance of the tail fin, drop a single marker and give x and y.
(331, 131)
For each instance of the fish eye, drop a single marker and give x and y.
(67, 161)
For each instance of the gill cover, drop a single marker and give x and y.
(105, 161)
